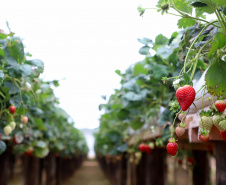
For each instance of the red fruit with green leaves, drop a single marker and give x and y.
(223, 135)
(185, 96)
(220, 105)
(204, 135)
(12, 109)
(172, 147)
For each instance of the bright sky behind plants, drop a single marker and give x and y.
(82, 43)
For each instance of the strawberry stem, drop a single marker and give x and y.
(173, 127)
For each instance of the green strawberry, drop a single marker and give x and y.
(216, 119)
(205, 120)
(223, 125)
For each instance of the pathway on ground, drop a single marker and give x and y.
(89, 174)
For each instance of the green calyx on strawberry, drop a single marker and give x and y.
(220, 105)
(204, 135)
(172, 147)
(180, 130)
(174, 106)
(205, 120)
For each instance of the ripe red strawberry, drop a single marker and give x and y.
(142, 148)
(204, 138)
(223, 135)
(29, 151)
(185, 96)
(220, 105)
(191, 160)
(179, 161)
(204, 135)
(12, 109)
(148, 149)
(180, 130)
(172, 147)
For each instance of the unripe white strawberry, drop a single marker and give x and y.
(216, 121)
(180, 130)
(12, 124)
(7, 130)
(205, 122)
(24, 119)
(151, 145)
(181, 116)
(223, 124)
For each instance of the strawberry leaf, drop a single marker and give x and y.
(184, 23)
(215, 78)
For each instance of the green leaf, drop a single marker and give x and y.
(139, 68)
(1, 77)
(17, 50)
(122, 148)
(185, 22)
(219, 42)
(2, 36)
(37, 63)
(41, 144)
(39, 124)
(131, 96)
(144, 50)
(198, 4)
(145, 41)
(2, 147)
(118, 72)
(13, 89)
(183, 5)
(160, 40)
(160, 71)
(215, 78)
(219, 2)
(137, 124)
(36, 111)
(9, 59)
(165, 117)
(123, 114)
(41, 152)
(21, 70)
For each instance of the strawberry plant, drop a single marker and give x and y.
(29, 111)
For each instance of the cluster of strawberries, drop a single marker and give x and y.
(185, 97)
(12, 124)
(146, 148)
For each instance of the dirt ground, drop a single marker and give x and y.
(89, 174)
